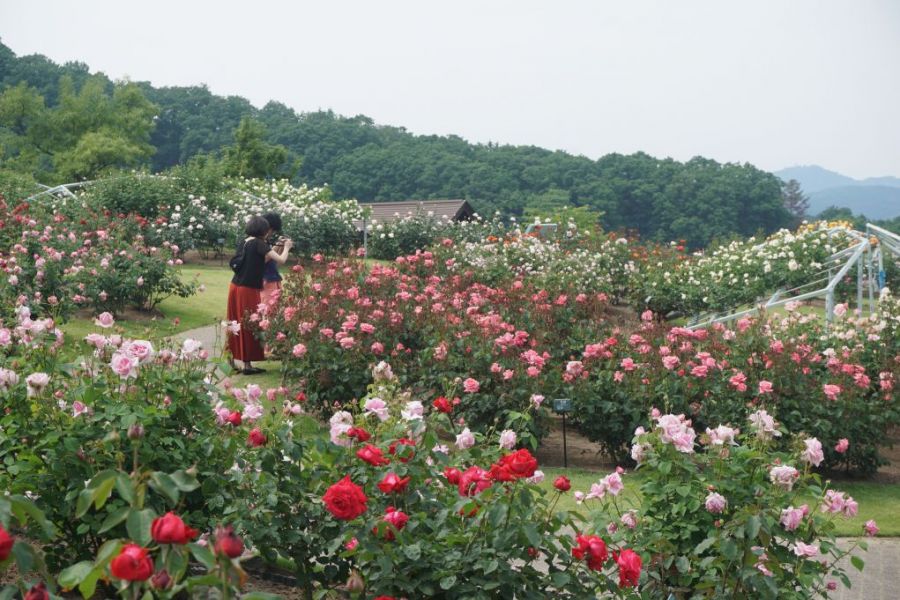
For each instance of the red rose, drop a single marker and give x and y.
(594, 548)
(132, 564)
(473, 481)
(393, 484)
(452, 474)
(372, 455)
(6, 543)
(562, 483)
(170, 529)
(395, 519)
(228, 543)
(359, 433)
(345, 500)
(629, 563)
(300, 397)
(37, 592)
(385, 598)
(406, 448)
(516, 465)
(256, 438)
(234, 418)
(442, 405)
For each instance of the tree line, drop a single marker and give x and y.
(62, 123)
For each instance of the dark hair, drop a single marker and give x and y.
(257, 227)
(274, 220)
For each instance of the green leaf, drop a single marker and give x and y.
(8, 592)
(683, 564)
(114, 518)
(857, 562)
(165, 485)
(729, 549)
(125, 487)
(184, 482)
(107, 551)
(260, 596)
(70, 577)
(88, 585)
(412, 551)
(138, 525)
(85, 497)
(25, 556)
(102, 492)
(448, 582)
(704, 545)
(203, 555)
(24, 506)
(752, 527)
(560, 580)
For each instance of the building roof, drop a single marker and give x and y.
(384, 212)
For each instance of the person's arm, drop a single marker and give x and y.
(281, 257)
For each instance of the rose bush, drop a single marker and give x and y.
(389, 505)
(791, 365)
(491, 348)
(724, 515)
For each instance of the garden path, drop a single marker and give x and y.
(880, 580)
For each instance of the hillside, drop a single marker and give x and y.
(876, 202)
(660, 198)
(874, 197)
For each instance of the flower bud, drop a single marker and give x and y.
(136, 431)
(161, 580)
(355, 582)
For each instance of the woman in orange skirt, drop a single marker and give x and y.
(243, 293)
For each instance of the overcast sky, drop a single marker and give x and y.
(772, 82)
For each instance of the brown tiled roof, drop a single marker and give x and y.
(384, 212)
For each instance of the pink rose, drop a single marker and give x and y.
(765, 387)
(471, 386)
(105, 320)
(298, 350)
(871, 528)
(791, 517)
(716, 503)
(123, 365)
(842, 445)
(813, 453)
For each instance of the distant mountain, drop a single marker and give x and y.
(874, 197)
(876, 202)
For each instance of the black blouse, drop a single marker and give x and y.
(251, 273)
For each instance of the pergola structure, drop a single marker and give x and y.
(867, 254)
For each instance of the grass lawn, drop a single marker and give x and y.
(203, 308)
(877, 501)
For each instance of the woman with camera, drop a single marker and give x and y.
(271, 277)
(245, 288)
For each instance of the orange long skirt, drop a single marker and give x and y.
(241, 301)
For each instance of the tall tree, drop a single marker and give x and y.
(795, 201)
(252, 156)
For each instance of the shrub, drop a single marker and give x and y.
(732, 518)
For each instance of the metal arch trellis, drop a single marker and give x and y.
(867, 254)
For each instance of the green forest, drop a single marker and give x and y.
(61, 123)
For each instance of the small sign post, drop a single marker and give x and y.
(563, 406)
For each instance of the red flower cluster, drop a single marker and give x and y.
(404, 448)
(132, 564)
(256, 438)
(359, 433)
(629, 563)
(443, 405)
(473, 481)
(227, 543)
(513, 466)
(372, 455)
(170, 529)
(345, 500)
(395, 521)
(562, 483)
(593, 548)
(6, 543)
(393, 484)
